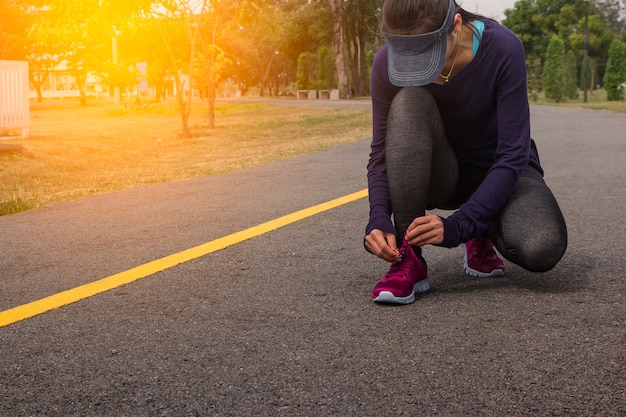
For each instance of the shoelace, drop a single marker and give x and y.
(482, 249)
(398, 265)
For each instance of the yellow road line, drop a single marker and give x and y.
(73, 295)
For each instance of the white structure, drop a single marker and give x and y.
(306, 94)
(14, 104)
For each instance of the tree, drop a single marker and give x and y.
(336, 9)
(43, 50)
(306, 27)
(534, 78)
(214, 65)
(553, 69)
(615, 75)
(524, 20)
(316, 71)
(13, 25)
(325, 75)
(613, 15)
(600, 38)
(306, 71)
(360, 21)
(535, 21)
(255, 39)
(570, 76)
(179, 25)
(214, 62)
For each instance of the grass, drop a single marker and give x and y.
(74, 151)
(596, 100)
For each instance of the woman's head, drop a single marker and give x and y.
(417, 34)
(412, 17)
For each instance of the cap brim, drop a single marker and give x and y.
(416, 60)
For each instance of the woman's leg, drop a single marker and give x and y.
(421, 166)
(530, 230)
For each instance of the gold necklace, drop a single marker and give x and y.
(446, 78)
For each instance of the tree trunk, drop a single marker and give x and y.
(363, 72)
(80, 78)
(265, 76)
(212, 96)
(184, 115)
(37, 84)
(339, 49)
(353, 59)
(593, 80)
(183, 106)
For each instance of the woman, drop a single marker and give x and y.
(451, 130)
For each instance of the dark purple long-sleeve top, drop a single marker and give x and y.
(487, 122)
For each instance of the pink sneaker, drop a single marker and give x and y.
(481, 260)
(403, 280)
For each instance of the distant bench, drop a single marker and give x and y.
(315, 94)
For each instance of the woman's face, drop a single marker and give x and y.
(453, 38)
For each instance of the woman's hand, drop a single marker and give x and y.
(425, 230)
(383, 245)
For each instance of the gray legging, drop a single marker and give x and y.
(529, 231)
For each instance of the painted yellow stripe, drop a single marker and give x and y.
(73, 295)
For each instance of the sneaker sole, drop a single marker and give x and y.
(386, 297)
(469, 271)
(494, 274)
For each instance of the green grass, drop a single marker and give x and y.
(75, 151)
(596, 100)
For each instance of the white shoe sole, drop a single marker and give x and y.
(469, 271)
(387, 297)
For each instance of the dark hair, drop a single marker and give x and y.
(419, 16)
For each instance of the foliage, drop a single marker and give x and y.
(570, 76)
(339, 47)
(13, 27)
(254, 45)
(553, 69)
(534, 79)
(305, 71)
(536, 21)
(615, 75)
(316, 71)
(305, 29)
(259, 40)
(360, 28)
(600, 38)
(43, 49)
(325, 76)
(612, 12)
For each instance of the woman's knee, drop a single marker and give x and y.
(412, 99)
(543, 252)
(414, 115)
(532, 230)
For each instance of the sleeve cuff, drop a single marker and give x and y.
(450, 233)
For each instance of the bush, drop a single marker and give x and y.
(615, 74)
(553, 70)
(306, 69)
(571, 76)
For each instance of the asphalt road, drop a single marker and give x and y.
(283, 324)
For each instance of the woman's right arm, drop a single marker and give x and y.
(382, 92)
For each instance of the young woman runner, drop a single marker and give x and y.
(451, 130)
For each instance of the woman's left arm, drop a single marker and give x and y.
(512, 153)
